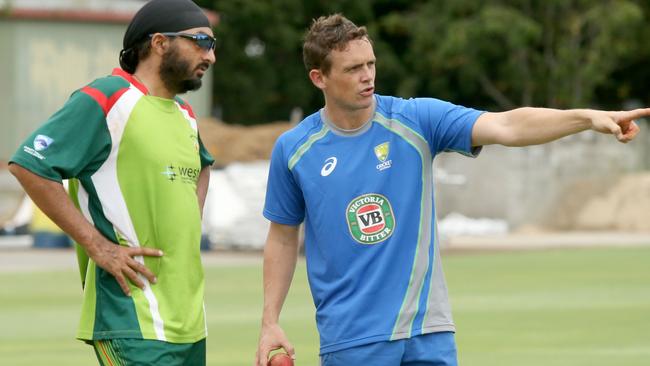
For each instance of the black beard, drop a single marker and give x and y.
(176, 73)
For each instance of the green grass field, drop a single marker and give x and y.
(561, 307)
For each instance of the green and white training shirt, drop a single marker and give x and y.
(135, 160)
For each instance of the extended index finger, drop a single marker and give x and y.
(637, 113)
(148, 252)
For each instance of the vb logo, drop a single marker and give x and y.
(370, 218)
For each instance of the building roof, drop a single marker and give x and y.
(91, 11)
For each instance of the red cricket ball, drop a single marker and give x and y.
(280, 359)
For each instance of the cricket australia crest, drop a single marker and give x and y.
(381, 152)
(370, 218)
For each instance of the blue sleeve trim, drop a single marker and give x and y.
(281, 220)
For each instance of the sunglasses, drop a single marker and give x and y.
(202, 40)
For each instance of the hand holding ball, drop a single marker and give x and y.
(280, 359)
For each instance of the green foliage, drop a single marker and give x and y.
(264, 84)
(505, 54)
(495, 54)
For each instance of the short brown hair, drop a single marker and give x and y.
(326, 34)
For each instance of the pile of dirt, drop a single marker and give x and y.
(625, 206)
(236, 143)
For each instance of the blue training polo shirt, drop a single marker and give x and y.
(366, 198)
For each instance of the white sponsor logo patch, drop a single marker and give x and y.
(42, 142)
(33, 152)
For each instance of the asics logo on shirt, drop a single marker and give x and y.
(328, 168)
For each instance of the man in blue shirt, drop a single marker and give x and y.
(358, 173)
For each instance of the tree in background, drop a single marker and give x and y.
(496, 54)
(259, 74)
(630, 79)
(503, 54)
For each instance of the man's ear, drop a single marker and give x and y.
(159, 43)
(317, 78)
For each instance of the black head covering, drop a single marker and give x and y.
(159, 16)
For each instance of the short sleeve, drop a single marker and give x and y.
(284, 203)
(72, 142)
(206, 158)
(447, 126)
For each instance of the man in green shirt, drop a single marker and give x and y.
(139, 175)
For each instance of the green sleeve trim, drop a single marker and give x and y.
(307, 145)
(206, 158)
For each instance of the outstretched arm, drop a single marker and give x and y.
(280, 256)
(533, 126)
(52, 199)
